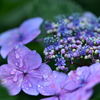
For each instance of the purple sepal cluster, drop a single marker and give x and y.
(73, 38)
(23, 34)
(77, 85)
(70, 38)
(24, 71)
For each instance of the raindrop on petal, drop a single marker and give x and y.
(30, 85)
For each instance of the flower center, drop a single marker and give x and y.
(25, 73)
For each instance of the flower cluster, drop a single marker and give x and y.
(77, 85)
(25, 71)
(72, 38)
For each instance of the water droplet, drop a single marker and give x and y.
(30, 85)
(39, 86)
(13, 72)
(21, 63)
(45, 76)
(17, 56)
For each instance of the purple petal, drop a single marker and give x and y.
(95, 75)
(5, 71)
(41, 73)
(83, 73)
(60, 78)
(11, 79)
(95, 68)
(30, 29)
(77, 78)
(51, 98)
(24, 59)
(93, 82)
(44, 71)
(48, 88)
(5, 50)
(7, 41)
(80, 94)
(34, 77)
(52, 85)
(32, 60)
(9, 36)
(29, 85)
(71, 84)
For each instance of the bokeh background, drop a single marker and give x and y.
(14, 12)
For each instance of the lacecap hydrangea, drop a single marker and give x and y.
(71, 39)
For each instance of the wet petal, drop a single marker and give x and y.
(83, 73)
(48, 88)
(24, 59)
(77, 79)
(30, 29)
(51, 98)
(52, 85)
(71, 85)
(95, 75)
(5, 71)
(44, 71)
(95, 68)
(16, 56)
(71, 82)
(29, 85)
(11, 79)
(32, 60)
(41, 73)
(80, 94)
(60, 78)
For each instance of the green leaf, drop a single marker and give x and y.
(4, 95)
(13, 12)
(96, 93)
(48, 9)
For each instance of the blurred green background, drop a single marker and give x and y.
(14, 12)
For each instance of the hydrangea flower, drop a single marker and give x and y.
(23, 71)
(73, 38)
(77, 85)
(27, 31)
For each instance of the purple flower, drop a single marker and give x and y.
(87, 76)
(77, 37)
(23, 71)
(28, 31)
(53, 84)
(76, 86)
